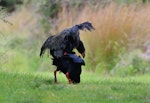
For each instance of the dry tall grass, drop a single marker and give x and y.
(118, 28)
(21, 22)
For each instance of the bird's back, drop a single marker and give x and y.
(59, 42)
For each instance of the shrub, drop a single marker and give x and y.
(131, 64)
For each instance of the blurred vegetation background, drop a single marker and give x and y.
(120, 45)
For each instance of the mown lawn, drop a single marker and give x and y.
(39, 88)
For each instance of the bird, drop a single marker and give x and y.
(61, 48)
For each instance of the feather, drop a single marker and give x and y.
(46, 45)
(86, 25)
(57, 43)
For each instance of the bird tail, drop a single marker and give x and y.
(45, 45)
(85, 25)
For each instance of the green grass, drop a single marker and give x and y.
(39, 88)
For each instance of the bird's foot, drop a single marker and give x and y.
(55, 81)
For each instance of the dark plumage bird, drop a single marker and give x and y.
(61, 48)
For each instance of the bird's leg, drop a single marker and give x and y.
(69, 80)
(55, 78)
